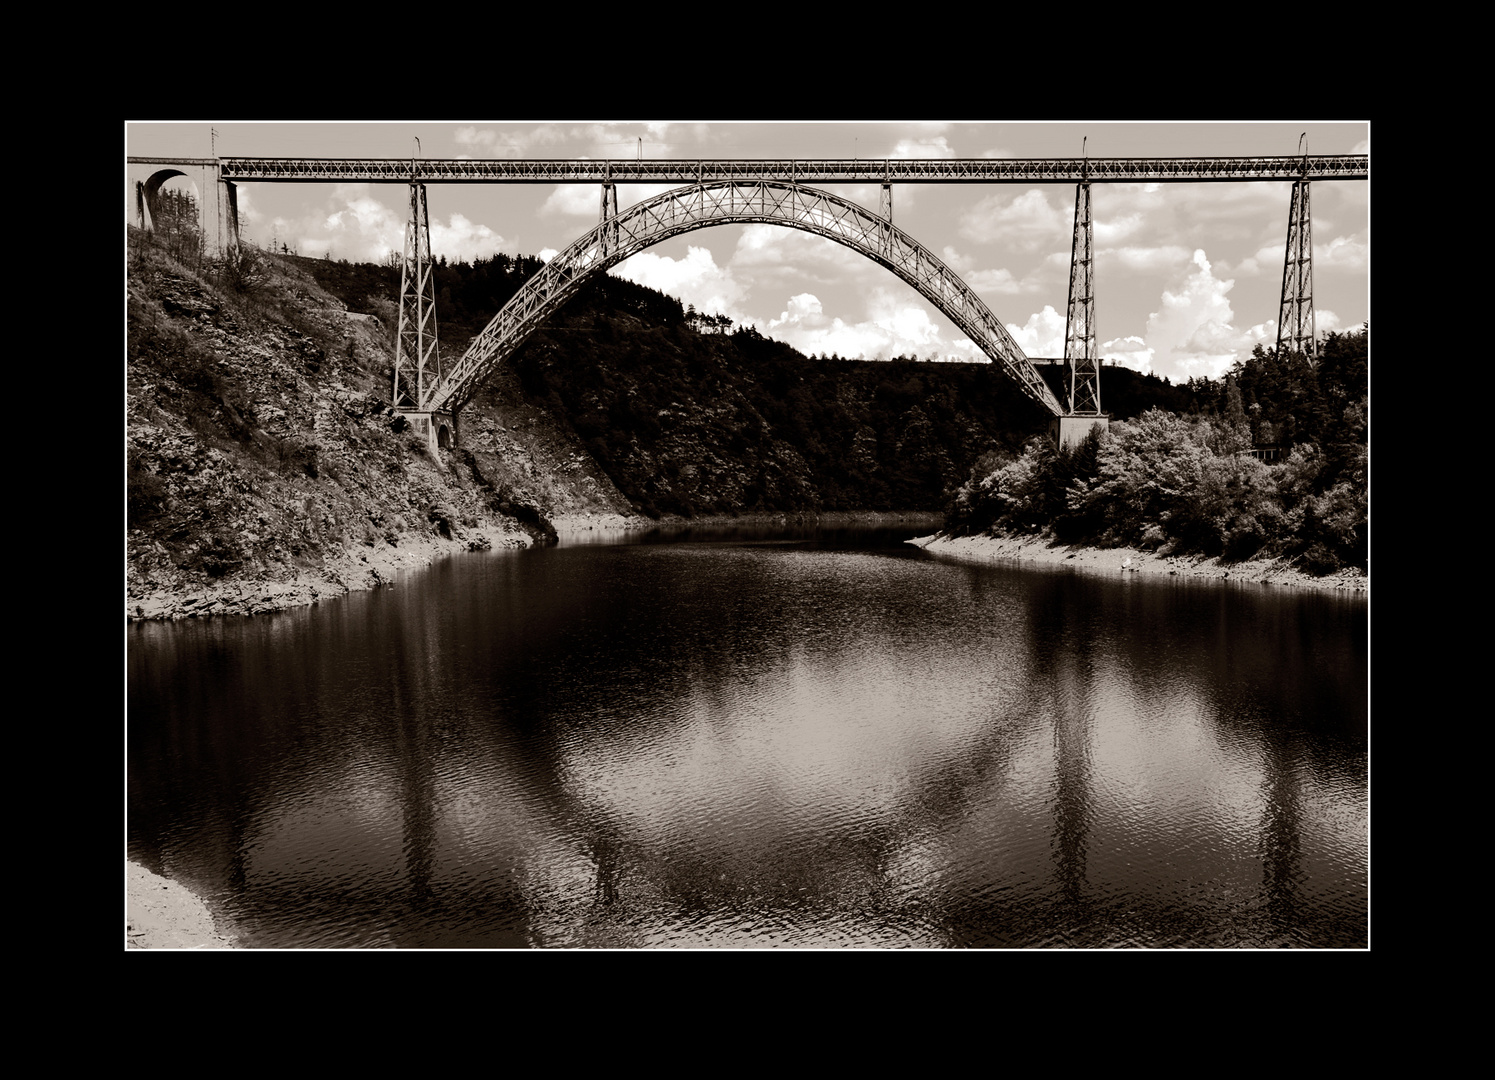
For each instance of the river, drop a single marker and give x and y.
(745, 739)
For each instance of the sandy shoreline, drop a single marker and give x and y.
(163, 914)
(369, 567)
(755, 520)
(1119, 560)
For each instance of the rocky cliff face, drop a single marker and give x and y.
(265, 467)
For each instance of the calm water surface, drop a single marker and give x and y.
(822, 739)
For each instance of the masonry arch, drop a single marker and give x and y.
(730, 203)
(217, 200)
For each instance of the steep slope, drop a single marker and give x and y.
(264, 465)
(267, 468)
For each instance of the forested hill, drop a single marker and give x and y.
(690, 415)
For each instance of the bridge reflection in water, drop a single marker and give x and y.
(808, 743)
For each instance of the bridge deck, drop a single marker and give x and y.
(906, 170)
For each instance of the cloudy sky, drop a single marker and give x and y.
(1188, 276)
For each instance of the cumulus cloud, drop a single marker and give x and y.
(907, 324)
(1147, 258)
(575, 200)
(351, 224)
(1131, 352)
(1344, 253)
(1265, 260)
(782, 259)
(804, 324)
(585, 200)
(1192, 332)
(1042, 335)
(1026, 222)
(355, 225)
(894, 326)
(993, 282)
(935, 147)
(461, 240)
(695, 279)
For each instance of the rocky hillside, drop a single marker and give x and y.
(266, 468)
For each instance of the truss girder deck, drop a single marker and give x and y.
(797, 171)
(737, 202)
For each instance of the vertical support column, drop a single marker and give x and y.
(1079, 331)
(885, 210)
(1295, 324)
(609, 216)
(218, 214)
(416, 354)
(228, 219)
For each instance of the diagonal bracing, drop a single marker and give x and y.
(417, 360)
(1080, 355)
(1295, 322)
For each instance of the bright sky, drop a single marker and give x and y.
(1188, 276)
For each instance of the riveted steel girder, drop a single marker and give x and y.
(737, 202)
(799, 171)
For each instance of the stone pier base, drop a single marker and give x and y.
(1072, 430)
(439, 429)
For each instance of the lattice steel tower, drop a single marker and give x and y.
(416, 344)
(1295, 325)
(1079, 330)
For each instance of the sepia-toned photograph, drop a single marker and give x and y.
(709, 536)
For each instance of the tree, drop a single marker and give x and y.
(175, 222)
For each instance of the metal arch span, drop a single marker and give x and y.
(731, 203)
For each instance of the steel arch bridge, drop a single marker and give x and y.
(733, 202)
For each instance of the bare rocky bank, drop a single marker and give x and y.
(1048, 552)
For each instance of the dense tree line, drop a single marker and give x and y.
(690, 415)
(469, 295)
(691, 422)
(1196, 482)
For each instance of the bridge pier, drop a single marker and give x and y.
(417, 357)
(1070, 431)
(1080, 351)
(1295, 322)
(217, 199)
(437, 427)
